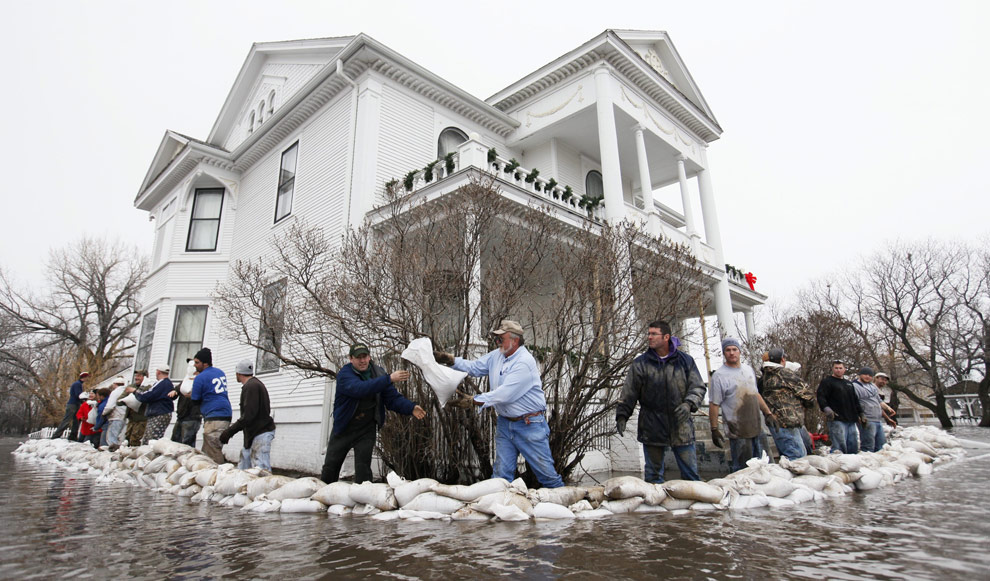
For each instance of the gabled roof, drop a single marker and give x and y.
(679, 93)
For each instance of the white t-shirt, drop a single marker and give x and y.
(734, 391)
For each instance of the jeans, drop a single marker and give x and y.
(871, 436)
(211, 439)
(844, 436)
(362, 440)
(531, 438)
(68, 420)
(114, 430)
(185, 432)
(687, 462)
(259, 454)
(790, 442)
(741, 450)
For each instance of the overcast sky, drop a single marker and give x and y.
(846, 124)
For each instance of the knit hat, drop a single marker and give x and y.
(731, 342)
(866, 371)
(205, 356)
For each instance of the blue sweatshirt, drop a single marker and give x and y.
(157, 398)
(209, 390)
(74, 390)
(352, 388)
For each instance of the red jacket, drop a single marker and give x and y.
(85, 428)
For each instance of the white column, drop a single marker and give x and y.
(723, 301)
(646, 184)
(750, 324)
(364, 186)
(689, 222)
(608, 143)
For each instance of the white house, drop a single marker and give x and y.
(314, 129)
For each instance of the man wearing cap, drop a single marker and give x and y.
(734, 392)
(209, 390)
(787, 397)
(871, 436)
(667, 385)
(115, 414)
(137, 422)
(516, 393)
(881, 379)
(256, 420)
(159, 400)
(837, 400)
(71, 407)
(364, 392)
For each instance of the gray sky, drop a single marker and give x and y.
(846, 124)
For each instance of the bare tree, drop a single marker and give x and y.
(450, 268)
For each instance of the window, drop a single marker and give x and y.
(204, 226)
(187, 335)
(449, 139)
(270, 334)
(251, 123)
(143, 356)
(286, 182)
(261, 113)
(271, 103)
(594, 187)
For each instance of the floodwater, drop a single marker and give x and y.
(58, 524)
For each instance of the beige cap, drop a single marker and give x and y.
(509, 326)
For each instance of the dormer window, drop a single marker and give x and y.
(450, 139)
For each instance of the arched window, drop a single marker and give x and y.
(261, 113)
(449, 139)
(251, 123)
(594, 187)
(271, 102)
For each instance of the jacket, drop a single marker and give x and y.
(75, 390)
(660, 385)
(351, 389)
(157, 398)
(786, 395)
(840, 395)
(256, 412)
(85, 428)
(186, 409)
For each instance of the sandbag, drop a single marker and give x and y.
(191, 490)
(290, 505)
(694, 490)
(409, 490)
(869, 479)
(647, 508)
(849, 462)
(185, 386)
(564, 496)
(176, 477)
(551, 510)
(418, 515)
(595, 495)
(813, 482)
(131, 401)
(298, 488)
(433, 502)
(776, 487)
(365, 510)
(339, 510)
(170, 448)
(442, 379)
(672, 504)
(335, 493)
(627, 487)
(747, 501)
(799, 466)
(378, 495)
(473, 492)
(505, 498)
(824, 464)
(468, 513)
(509, 512)
(774, 502)
(592, 514)
(801, 494)
(623, 506)
(920, 447)
(233, 481)
(206, 477)
(580, 505)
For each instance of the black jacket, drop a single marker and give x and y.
(256, 412)
(840, 395)
(660, 386)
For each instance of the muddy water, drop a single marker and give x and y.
(58, 524)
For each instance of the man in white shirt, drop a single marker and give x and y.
(734, 392)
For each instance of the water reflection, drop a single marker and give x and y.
(59, 523)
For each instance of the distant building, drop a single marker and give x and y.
(313, 129)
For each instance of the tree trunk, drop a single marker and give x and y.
(984, 393)
(940, 411)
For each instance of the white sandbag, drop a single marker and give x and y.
(185, 386)
(505, 498)
(694, 490)
(813, 482)
(473, 492)
(580, 506)
(442, 379)
(264, 485)
(206, 477)
(748, 501)
(847, 477)
(564, 496)
(233, 481)
(191, 490)
(196, 462)
(835, 487)
(131, 401)
(433, 502)
(595, 495)
(176, 477)
(409, 490)
(298, 488)
(387, 515)
(420, 514)
(240, 500)
(799, 466)
(161, 480)
(801, 494)
(869, 479)
(774, 502)
(671, 503)
(379, 495)
(551, 510)
(704, 506)
(849, 462)
(365, 510)
(170, 448)
(649, 509)
(468, 513)
(290, 505)
(627, 487)
(509, 512)
(592, 514)
(203, 495)
(925, 470)
(339, 510)
(919, 446)
(335, 493)
(622, 506)
(267, 506)
(776, 487)
(519, 485)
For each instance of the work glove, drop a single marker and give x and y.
(683, 413)
(863, 420)
(464, 401)
(829, 414)
(225, 436)
(620, 425)
(771, 421)
(443, 358)
(717, 438)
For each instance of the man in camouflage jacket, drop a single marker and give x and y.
(787, 397)
(668, 387)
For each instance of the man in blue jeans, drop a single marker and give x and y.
(871, 436)
(668, 387)
(516, 393)
(837, 400)
(256, 420)
(787, 397)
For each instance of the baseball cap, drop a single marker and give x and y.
(508, 326)
(244, 367)
(359, 349)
